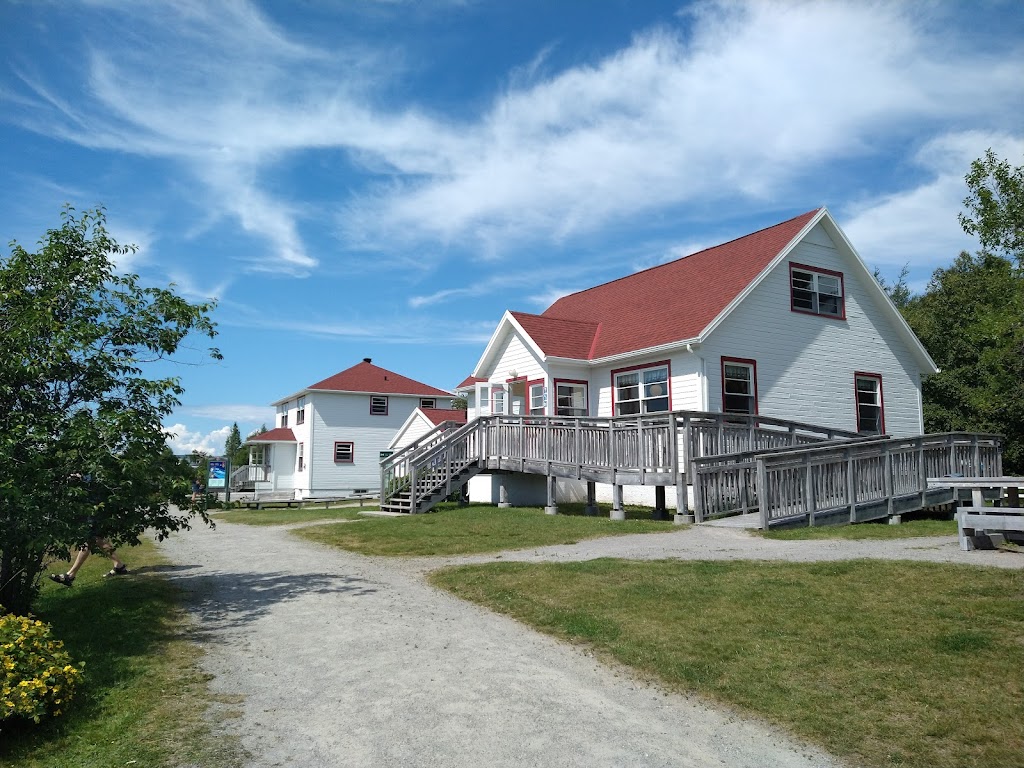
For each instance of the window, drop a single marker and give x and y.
(428, 402)
(816, 291)
(497, 400)
(284, 419)
(870, 413)
(537, 399)
(300, 416)
(378, 405)
(739, 385)
(570, 398)
(344, 453)
(641, 390)
(299, 463)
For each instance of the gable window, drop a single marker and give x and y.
(301, 459)
(344, 453)
(641, 390)
(570, 398)
(870, 412)
(816, 291)
(537, 399)
(428, 402)
(739, 385)
(378, 405)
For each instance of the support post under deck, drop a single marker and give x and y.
(552, 507)
(503, 502)
(659, 513)
(591, 508)
(617, 513)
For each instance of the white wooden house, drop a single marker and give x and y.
(786, 322)
(422, 421)
(328, 437)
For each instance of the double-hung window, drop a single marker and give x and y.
(536, 392)
(643, 390)
(344, 453)
(739, 386)
(570, 398)
(378, 405)
(301, 459)
(816, 291)
(428, 402)
(870, 413)
(284, 419)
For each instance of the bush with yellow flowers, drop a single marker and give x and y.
(37, 677)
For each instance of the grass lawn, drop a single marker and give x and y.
(288, 516)
(454, 530)
(143, 699)
(905, 530)
(883, 663)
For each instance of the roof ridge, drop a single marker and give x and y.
(687, 256)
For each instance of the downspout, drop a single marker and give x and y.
(312, 446)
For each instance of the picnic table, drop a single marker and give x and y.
(979, 525)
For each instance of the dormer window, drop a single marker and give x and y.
(816, 291)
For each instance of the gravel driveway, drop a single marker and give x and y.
(344, 660)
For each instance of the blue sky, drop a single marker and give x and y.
(383, 179)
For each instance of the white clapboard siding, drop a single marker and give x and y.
(806, 363)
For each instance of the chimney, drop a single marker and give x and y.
(367, 360)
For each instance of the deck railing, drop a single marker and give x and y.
(867, 480)
(249, 474)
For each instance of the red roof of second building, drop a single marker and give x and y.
(367, 377)
(441, 415)
(276, 435)
(663, 304)
(468, 382)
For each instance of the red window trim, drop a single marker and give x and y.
(822, 270)
(387, 405)
(881, 400)
(753, 366)
(530, 384)
(659, 364)
(553, 398)
(352, 452)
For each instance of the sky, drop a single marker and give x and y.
(383, 179)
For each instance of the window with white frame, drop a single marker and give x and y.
(428, 402)
(537, 399)
(300, 415)
(483, 399)
(497, 400)
(344, 452)
(643, 390)
(816, 291)
(739, 386)
(570, 398)
(378, 405)
(284, 419)
(870, 413)
(300, 459)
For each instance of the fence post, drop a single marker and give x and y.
(578, 451)
(922, 471)
(762, 493)
(976, 456)
(810, 502)
(412, 490)
(888, 479)
(851, 485)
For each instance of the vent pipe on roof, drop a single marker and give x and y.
(367, 360)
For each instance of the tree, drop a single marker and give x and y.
(971, 321)
(233, 449)
(81, 434)
(899, 291)
(995, 206)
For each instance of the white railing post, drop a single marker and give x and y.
(762, 494)
(851, 485)
(809, 500)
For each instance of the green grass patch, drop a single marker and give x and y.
(143, 698)
(288, 516)
(905, 530)
(882, 663)
(454, 530)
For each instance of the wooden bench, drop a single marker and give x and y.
(973, 523)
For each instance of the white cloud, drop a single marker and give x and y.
(919, 226)
(238, 412)
(182, 440)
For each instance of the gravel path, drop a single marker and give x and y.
(343, 660)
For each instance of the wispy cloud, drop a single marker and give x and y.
(182, 440)
(238, 412)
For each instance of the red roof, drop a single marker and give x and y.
(469, 381)
(441, 415)
(276, 435)
(663, 304)
(367, 377)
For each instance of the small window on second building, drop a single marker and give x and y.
(870, 414)
(301, 457)
(344, 453)
(284, 419)
(300, 416)
(739, 386)
(378, 405)
(428, 402)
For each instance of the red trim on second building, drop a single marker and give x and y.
(743, 361)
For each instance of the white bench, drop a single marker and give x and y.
(974, 521)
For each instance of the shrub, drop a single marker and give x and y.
(36, 675)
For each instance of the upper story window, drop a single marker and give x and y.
(739, 386)
(300, 459)
(570, 398)
(300, 414)
(870, 412)
(428, 402)
(641, 390)
(816, 291)
(284, 419)
(378, 405)
(537, 399)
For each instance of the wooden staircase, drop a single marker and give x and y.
(431, 488)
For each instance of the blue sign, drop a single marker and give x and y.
(217, 475)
